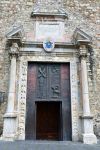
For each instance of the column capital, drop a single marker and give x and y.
(14, 50)
(83, 52)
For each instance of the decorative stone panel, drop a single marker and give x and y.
(22, 99)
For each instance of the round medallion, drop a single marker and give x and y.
(48, 45)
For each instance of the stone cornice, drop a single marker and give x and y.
(83, 42)
(44, 14)
(40, 44)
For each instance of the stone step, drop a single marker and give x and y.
(44, 145)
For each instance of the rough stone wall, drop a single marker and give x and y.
(83, 14)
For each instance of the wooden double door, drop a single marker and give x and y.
(48, 105)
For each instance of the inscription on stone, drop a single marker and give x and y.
(49, 30)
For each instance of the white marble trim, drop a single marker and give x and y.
(74, 99)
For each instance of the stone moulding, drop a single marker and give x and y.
(86, 117)
(23, 88)
(40, 44)
(43, 14)
(49, 8)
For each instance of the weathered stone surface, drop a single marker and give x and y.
(30, 145)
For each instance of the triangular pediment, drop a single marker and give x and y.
(16, 32)
(15, 35)
(81, 36)
(48, 10)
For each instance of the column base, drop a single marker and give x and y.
(88, 136)
(9, 129)
(10, 137)
(89, 139)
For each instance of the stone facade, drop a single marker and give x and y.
(81, 14)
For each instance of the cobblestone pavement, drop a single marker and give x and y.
(44, 145)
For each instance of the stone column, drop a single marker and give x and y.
(88, 136)
(9, 130)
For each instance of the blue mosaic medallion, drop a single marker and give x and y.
(48, 45)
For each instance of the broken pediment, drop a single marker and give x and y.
(80, 36)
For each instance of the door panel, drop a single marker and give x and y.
(54, 81)
(42, 77)
(48, 82)
(30, 104)
(66, 105)
(48, 120)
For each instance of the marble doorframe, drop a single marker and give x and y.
(22, 90)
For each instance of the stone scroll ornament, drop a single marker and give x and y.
(48, 45)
